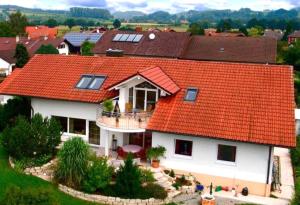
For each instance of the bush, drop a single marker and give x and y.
(147, 176)
(98, 176)
(295, 154)
(152, 190)
(72, 162)
(16, 196)
(31, 139)
(172, 173)
(128, 180)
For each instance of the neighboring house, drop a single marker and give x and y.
(8, 47)
(213, 32)
(275, 34)
(233, 49)
(76, 39)
(41, 31)
(218, 121)
(145, 43)
(295, 36)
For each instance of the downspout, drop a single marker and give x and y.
(269, 167)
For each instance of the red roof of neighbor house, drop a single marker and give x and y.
(41, 31)
(295, 34)
(241, 102)
(234, 49)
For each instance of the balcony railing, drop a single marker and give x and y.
(125, 121)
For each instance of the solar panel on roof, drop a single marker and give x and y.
(76, 39)
(124, 37)
(131, 37)
(137, 38)
(117, 37)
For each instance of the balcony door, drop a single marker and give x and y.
(146, 96)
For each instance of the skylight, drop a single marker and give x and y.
(90, 82)
(191, 94)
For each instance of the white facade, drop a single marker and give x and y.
(251, 159)
(5, 67)
(63, 49)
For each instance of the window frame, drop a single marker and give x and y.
(91, 81)
(226, 162)
(183, 155)
(186, 93)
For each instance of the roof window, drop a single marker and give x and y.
(191, 94)
(90, 82)
(134, 38)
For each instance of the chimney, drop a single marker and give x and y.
(17, 39)
(114, 52)
(138, 29)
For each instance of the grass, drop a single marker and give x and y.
(9, 176)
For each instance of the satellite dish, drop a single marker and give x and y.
(151, 36)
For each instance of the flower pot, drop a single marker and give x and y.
(155, 163)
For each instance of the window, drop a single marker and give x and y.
(191, 94)
(91, 82)
(77, 126)
(63, 123)
(96, 82)
(226, 153)
(183, 147)
(61, 46)
(84, 82)
(117, 37)
(124, 37)
(94, 133)
(135, 38)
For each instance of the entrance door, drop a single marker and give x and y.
(140, 99)
(94, 133)
(142, 139)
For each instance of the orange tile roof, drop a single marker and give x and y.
(41, 31)
(242, 102)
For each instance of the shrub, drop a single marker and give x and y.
(128, 180)
(98, 175)
(295, 154)
(172, 173)
(108, 105)
(72, 162)
(16, 196)
(31, 139)
(152, 190)
(147, 176)
(154, 153)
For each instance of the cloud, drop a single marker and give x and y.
(149, 6)
(87, 3)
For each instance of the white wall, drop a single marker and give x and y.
(65, 50)
(251, 159)
(48, 108)
(5, 65)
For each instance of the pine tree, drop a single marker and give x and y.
(21, 55)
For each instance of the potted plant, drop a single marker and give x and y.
(154, 154)
(108, 107)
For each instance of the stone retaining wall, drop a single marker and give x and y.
(111, 200)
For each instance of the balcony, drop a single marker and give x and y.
(125, 122)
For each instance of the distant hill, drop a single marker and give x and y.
(127, 15)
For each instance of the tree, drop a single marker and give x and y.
(292, 55)
(47, 49)
(18, 22)
(117, 23)
(86, 48)
(243, 30)
(224, 25)
(128, 181)
(21, 55)
(6, 30)
(51, 23)
(256, 31)
(196, 29)
(70, 23)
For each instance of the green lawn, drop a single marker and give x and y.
(10, 177)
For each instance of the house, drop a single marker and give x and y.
(8, 47)
(218, 121)
(233, 49)
(144, 43)
(41, 31)
(276, 34)
(295, 36)
(74, 40)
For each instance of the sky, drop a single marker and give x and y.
(148, 6)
